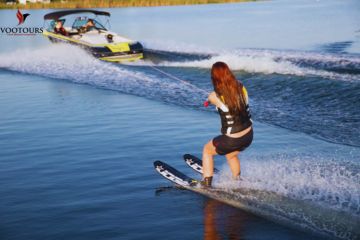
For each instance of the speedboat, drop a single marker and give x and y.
(89, 33)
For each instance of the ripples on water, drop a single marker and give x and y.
(315, 93)
(312, 93)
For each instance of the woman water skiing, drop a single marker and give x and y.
(231, 101)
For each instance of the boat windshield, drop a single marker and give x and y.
(82, 21)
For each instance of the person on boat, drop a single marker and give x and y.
(59, 28)
(89, 25)
(231, 101)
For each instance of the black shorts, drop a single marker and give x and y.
(225, 144)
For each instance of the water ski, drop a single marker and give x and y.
(174, 175)
(184, 181)
(178, 177)
(195, 163)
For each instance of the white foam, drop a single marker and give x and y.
(260, 60)
(176, 47)
(263, 64)
(331, 184)
(315, 194)
(74, 64)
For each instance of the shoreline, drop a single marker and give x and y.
(115, 4)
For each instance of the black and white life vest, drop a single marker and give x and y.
(232, 124)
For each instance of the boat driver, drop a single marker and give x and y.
(89, 25)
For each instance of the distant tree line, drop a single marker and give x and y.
(111, 3)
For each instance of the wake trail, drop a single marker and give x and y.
(55, 62)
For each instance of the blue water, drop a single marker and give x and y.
(78, 136)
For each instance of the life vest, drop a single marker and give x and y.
(234, 123)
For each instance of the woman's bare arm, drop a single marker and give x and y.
(213, 99)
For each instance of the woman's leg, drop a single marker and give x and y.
(208, 159)
(234, 163)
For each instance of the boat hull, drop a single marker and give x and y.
(111, 52)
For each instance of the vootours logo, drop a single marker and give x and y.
(20, 30)
(21, 17)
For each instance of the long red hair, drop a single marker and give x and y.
(226, 85)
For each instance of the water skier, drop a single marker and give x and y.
(231, 101)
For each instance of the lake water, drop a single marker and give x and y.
(78, 136)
